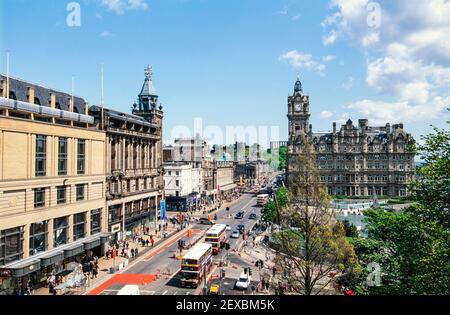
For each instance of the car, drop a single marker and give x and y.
(235, 234)
(228, 228)
(239, 216)
(205, 221)
(241, 228)
(252, 216)
(214, 289)
(243, 282)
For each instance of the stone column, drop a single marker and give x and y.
(26, 241)
(50, 233)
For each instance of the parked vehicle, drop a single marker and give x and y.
(239, 215)
(228, 228)
(252, 216)
(241, 228)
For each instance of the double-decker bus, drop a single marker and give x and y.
(216, 236)
(195, 265)
(262, 200)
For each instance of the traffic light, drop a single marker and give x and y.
(249, 271)
(222, 273)
(245, 271)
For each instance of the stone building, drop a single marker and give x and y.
(357, 160)
(134, 174)
(52, 183)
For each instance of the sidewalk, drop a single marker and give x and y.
(119, 262)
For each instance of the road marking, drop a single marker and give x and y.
(176, 292)
(188, 293)
(165, 292)
(150, 292)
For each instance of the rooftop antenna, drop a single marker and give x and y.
(7, 74)
(102, 95)
(73, 89)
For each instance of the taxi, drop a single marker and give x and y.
(214, 289)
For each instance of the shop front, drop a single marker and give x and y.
(15, 276)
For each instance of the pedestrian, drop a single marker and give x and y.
(95, 272)
(136, 252)
(274, 271)
(153, 241)
(127, 244)
(132, 252)
(147, 242)
(107, 254)
(29, 287)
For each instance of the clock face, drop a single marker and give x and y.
(298, 107)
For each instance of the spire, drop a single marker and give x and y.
(148, 89)
(298, 85)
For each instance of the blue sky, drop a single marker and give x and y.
(233, 62)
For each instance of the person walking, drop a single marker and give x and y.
(152, 241)
(147, 242)
(132, 252)
(95, 272)
(136, 252)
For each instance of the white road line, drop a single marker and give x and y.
(165, 292)
(176, 292)
(150, 292)
(188, 293)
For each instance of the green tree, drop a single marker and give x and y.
(432, 188)
(412, 248)
(269, 212)
(282, 154)
(316, 250)
(350, 229)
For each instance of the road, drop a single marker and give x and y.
(164, 260)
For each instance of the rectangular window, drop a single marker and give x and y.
(38, 237)
(137, 185)
(79, 226)
(80, 192)
(61, 194)
(41, 155)
(177, 183)
(115, 214)
(62, 156)
(96, 221)
(11, 245)
(60, 234)
(39, 197)
(81, 156)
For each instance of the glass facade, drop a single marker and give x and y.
(38, 237)
(11, 245)
(79, 226)
(80, 192)
(39, 197)
(60, 231)
(61, 192)
(41, 156)
(62, 156)
(81, 156)
(96, 221)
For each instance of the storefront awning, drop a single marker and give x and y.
(73, 250)
(228, 187)
(52, 258)
(92, 243)
(24, 268)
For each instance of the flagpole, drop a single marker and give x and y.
(101, 98)
(7, 74)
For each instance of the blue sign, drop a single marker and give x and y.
(163, 209)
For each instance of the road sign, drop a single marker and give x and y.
(163, 209)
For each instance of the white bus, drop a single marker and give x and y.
(217, 236)
(262, 200)
(195, 265)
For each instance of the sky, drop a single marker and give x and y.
(233, 63)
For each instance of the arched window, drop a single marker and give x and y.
(37, 101)
(12, 95)
(75, 110)
(57, 105)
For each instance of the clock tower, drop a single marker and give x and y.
(298, 114)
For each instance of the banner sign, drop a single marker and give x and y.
(163, 209)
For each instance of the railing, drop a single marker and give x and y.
(156, 135)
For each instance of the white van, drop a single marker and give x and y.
(129, 290)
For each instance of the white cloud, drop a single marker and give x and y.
(106, 34)
(381, 112)
(407, 52)
(283, 11)
(348, 84)
(300, 60)
(329, 58)
(296, 17)
(325, 114)
(120, 6)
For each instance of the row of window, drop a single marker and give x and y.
(353, 178)
(61, 195)
(12, 240)
(41, 156)
(361, 157)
